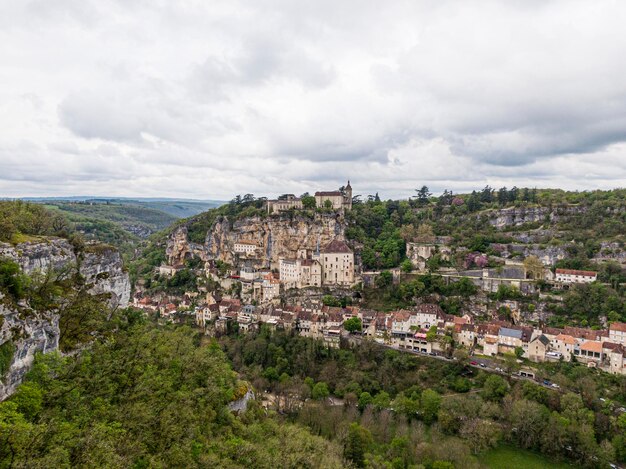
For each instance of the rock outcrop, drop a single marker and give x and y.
(275, 237)
(28, 332)
(516, 216)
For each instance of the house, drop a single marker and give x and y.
(247, 318)
(283, 203)
(565, 345)
(337, 261)
(614, 358)
(271, 288)
(170, 270)
(617, 333)
(538, 347)
(589, 352)
(300, 272)
(241, 247)
(337, 200)
(509, 339)
(419, 253)
(575, 276)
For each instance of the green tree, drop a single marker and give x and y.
(422, 196)
(381, 401)
(384, 279)
(353, 324)
(308, 202)
(429, 405)
(495, 388)
(365, 399)
(320, 391)
(358, 443)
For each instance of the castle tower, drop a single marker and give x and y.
(347, 197)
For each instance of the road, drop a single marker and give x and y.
(481, 363)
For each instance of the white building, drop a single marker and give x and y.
(617, 333)
(575, 276)
(300, 273)
(289, 270)
(337, 264)
(245, 248)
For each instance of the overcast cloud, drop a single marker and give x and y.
(208, 99)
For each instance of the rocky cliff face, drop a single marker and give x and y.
(515, 216)
(26, 336)
(31, 332)
(275, 237)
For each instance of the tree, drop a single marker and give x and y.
(519, 352)
(495, 388)
(431, 335)
(425, 233)
(422, 196)
(486, 195)
(429, 405)
(481, 434)
(381, 400)
(308, 201)
(328, 205)
(384, 279)
(353, 324)
(357, 444)
(406, 266)
(12, 280)
(365, 399)
(320, 391)
(503, 196)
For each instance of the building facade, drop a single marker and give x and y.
(337, 261)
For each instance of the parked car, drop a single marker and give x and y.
(547, 382)
(483, 365)
(473, 363)
(555, 386)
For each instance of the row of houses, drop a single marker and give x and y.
(427, 328)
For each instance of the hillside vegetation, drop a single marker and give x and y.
(147, 397)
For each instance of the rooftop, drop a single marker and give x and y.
(337, 246)
(587, 273)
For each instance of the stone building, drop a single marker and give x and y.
(340, 200)
(283, 203)
(337, 261)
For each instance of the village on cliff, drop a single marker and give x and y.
(278, 271)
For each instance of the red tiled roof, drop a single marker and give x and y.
(327, 193)
(618, 326)
(592, 346)
(587, 273)
(427, 308)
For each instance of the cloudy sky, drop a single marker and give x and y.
(207, 99)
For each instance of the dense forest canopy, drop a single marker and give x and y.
(400, 410)
(146, 397)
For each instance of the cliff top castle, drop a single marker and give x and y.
(337, 200)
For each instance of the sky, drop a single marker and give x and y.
(208, 99)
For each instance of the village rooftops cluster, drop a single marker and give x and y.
(420, 329)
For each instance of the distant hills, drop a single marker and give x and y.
(178, 208)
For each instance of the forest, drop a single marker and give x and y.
(399, 410)
(147, 396)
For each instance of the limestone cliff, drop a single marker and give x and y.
(276, 236)
(516, 216)
(27, 331)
